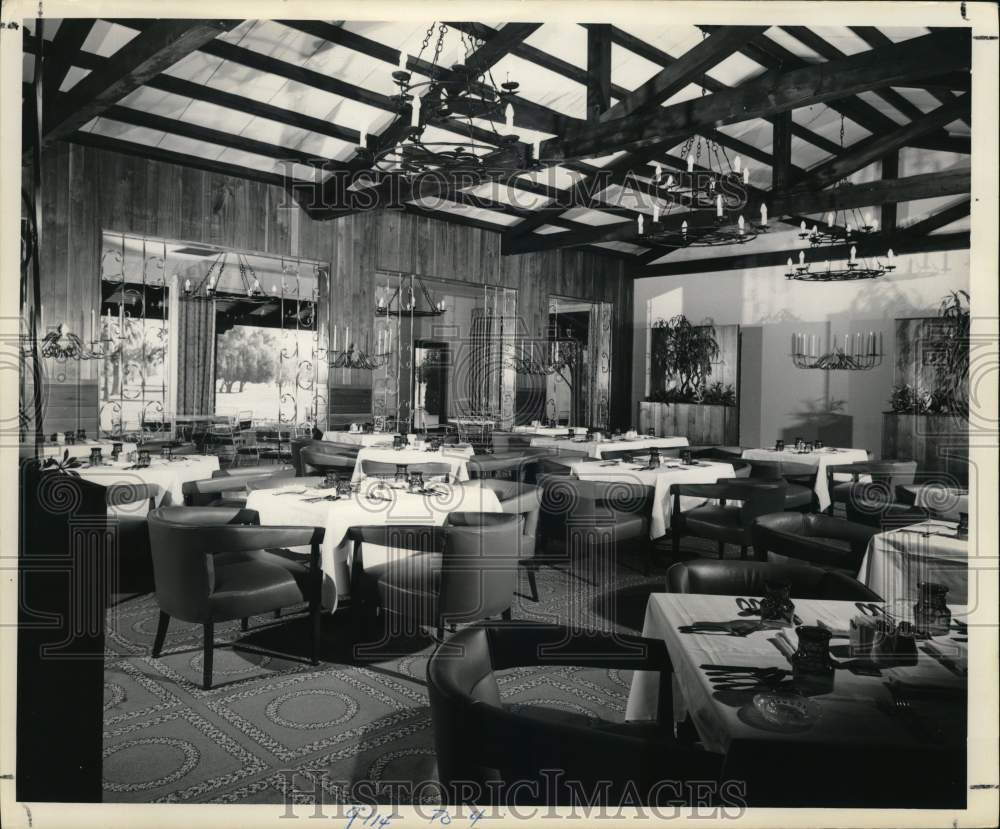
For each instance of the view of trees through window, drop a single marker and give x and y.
(266, 371)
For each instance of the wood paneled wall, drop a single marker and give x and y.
(86, 191)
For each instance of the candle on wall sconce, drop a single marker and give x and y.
(690, 160)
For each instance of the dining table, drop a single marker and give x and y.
(660, 478)
(455, 456)
(930, 551)
(82, 448)
(942, 500)
(370, 503)
(597, 448)
(820, 458)
(728, 666)
(548, 431)
(360, 438)
(167, 475)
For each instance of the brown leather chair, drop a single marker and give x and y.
(723, 522)
(525, 500)
(747, 578)
(490, 752)
(818, 539)
(594, 517)
(228, 487)
(886, 476)
(799, 477)
(315, 458)
(212, 565)
(473, 577)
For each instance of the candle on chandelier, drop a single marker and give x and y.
(402, 61)
(746, 175)
(690, 163)
(802, 257)
(187, 286)
(536, 149)
(890, 256)
(802, 227)
(363, 136)
(850, 228)
(736, 165)
(639, 222)
(718, 206)
(509, 117)
(829, 219)
(740, 225)
(763, 215)
(684, 227)
(790, 263)
(415, 113)
(656, 213)
(670, 181)
(854, 253)
(657, 172)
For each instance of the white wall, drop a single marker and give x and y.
(786, 398)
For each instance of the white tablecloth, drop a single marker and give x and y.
(456, 457)
(596, 449)
(288, 507)
(820, 458)
(858, 710)
(170, 476)
(660, 479)
(360, 438)
(896, 561)
(945, 501)
(82, 450)
(547, 431)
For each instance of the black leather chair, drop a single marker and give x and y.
(799, 477)
(747, 578)
(463, 572)
(886, 476)
(818, 539)
(325, 459)
(518, 465)
(723, 522)
(212, 565)
(490, 753)
(885, 517)
(228, 487)
(595, 518)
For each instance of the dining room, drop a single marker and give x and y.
(507, 415)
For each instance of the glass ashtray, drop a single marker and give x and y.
(786, 710)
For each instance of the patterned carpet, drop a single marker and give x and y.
(273, 721)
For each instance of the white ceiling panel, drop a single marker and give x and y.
(736, 69)
(566, 42)
(793, 45)
(107, 38)
(596, 218)
(201, 149)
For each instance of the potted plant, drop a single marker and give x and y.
(928, 416)
(687, 403)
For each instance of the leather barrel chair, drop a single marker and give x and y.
(518, 465)
(320, 457)
(594, 517)
(488, 752)
(228, 487)
(747, 578)
(818, 539)
(723, 522)
(279, 482)
(213, 565)
(799, 477)
(885, 517)
(525, 500)
(885, 476)
(473, 577)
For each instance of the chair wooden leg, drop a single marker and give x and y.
(244, 624)
(532, 583)
(209, 646)
(161, 634)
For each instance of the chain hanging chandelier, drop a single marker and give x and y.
(862, 352)
(557, 355)
(208, 285)
(827, 243)
(721, 185)
(451, 99)
(404, 302)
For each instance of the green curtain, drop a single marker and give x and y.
(196, 357)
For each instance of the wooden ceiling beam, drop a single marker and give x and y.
(764, 97)
(781, 173)
(890, 170)
(157, 48)
(598, 71)
(872, 149)
(497, 47)
(692, 65)
(942, 218)
(60, 54)
(901, 243)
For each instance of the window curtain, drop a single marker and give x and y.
(196, 357)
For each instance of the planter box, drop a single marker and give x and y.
(938, 443)
(699, 423)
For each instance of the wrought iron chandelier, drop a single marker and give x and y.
(842, 228)
(559, 354)
(404, 302)
(207, 287)
(459, 95)
(858, 353)
(722, 185)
